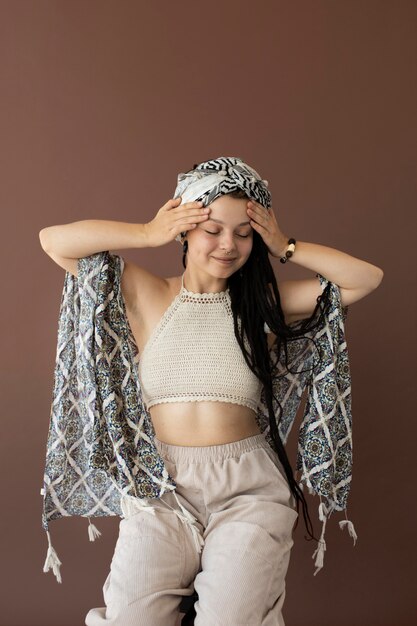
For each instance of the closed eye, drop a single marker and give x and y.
(211, 233)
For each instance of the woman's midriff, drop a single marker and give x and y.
(202, 423)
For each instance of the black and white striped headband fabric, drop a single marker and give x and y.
(217, 177)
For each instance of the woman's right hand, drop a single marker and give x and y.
(174, 218)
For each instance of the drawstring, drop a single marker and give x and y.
(130, 504)
(189, 519)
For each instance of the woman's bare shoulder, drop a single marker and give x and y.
(141, 288)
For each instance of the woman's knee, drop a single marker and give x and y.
(243, 573)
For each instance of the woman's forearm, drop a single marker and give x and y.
(339, 267)
(86, 237)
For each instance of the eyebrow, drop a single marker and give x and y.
(211, 219)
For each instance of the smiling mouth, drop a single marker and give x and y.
(228, 259)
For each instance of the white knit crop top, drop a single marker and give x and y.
(192, 354)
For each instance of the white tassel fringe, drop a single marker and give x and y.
(350, 527)
(52, 560)
(93, 531)
(321, 548)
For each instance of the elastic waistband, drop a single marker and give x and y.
(210, 453)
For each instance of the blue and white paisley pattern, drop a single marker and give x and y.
(100, 442)
(100, 439)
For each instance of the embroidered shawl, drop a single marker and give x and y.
(100, 439)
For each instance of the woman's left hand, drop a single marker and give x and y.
(264, 222)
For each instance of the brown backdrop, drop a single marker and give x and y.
(102, 104)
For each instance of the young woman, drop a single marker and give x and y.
(204, 339)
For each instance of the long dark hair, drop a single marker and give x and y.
(255, 299)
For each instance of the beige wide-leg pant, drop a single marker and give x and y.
(226, 532)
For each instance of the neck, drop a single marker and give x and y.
(196, 286)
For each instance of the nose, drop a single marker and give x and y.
(227, 243)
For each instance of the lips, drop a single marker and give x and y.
(224, 259)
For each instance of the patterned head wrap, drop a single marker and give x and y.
(217, 177)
